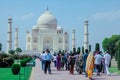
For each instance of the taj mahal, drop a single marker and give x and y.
(46, 34)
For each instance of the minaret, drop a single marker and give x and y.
(9, 41)
(86, 42)
(16, 39)
(73, 38)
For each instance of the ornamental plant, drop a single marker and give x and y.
(15, 69)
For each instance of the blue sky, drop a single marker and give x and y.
(103, 17)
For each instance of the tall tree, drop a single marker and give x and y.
(78, 50)
(60, 52)
(18, 50)
(12, 52)
(105, 43)
(63, 52)
(117, 50)
(82, 50)
(0, 46)
(97, 47)
(89, 48)
(119, 57)
(109, 44)
(74, 50)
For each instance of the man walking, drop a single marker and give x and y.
(42, 58)
(48, 58)
(107, 59)
(98, 61)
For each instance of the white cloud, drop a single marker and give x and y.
(106, 16)
(27, 16)
(24, 17)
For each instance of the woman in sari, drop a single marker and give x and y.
(90, 66)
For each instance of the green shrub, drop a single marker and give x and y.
(23, 63)
(15, 56)
(3, 55)
(6, 60)
(97, 47)
(3, 64)
(12, 52)
(23, 56)
(9, 61)
(15, 69)
(118, 62)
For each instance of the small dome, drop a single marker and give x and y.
(59, 28)
(35, 27)
(9, 18)
(47, 20)
(86, 20)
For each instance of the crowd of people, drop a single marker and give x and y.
(71, 61)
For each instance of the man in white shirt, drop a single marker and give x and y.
(42, 58)
(107, 59)
(98, 60)
(48, 59)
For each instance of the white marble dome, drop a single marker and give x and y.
(47, 21)
(35, 27)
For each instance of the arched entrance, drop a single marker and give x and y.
(48, 43)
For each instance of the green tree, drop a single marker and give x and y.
(78, 50)
(97, 47)
(89, 48)
(109, 44)
(0, 46)
(105, 44)
(63, 52)
(117, 50)
(60, 52)
(18, 50)
(74, 50)
(82, 50)
(12, 52)
(119, 57)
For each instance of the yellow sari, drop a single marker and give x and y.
(90, 65)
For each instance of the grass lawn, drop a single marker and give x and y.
(114, 69)
(6, 74)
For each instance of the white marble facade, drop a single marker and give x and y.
(46, 34)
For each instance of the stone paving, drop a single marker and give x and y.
(38, 74)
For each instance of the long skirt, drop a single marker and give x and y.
(90, 65)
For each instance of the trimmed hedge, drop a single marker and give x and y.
(24, 61)
(118, 61)
(6, 62)
(10, 61)
(15, 69)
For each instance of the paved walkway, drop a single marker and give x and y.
(38, 74)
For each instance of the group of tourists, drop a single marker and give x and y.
(71, 61)
(61, 61)
(102, 62)
(97, 62)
